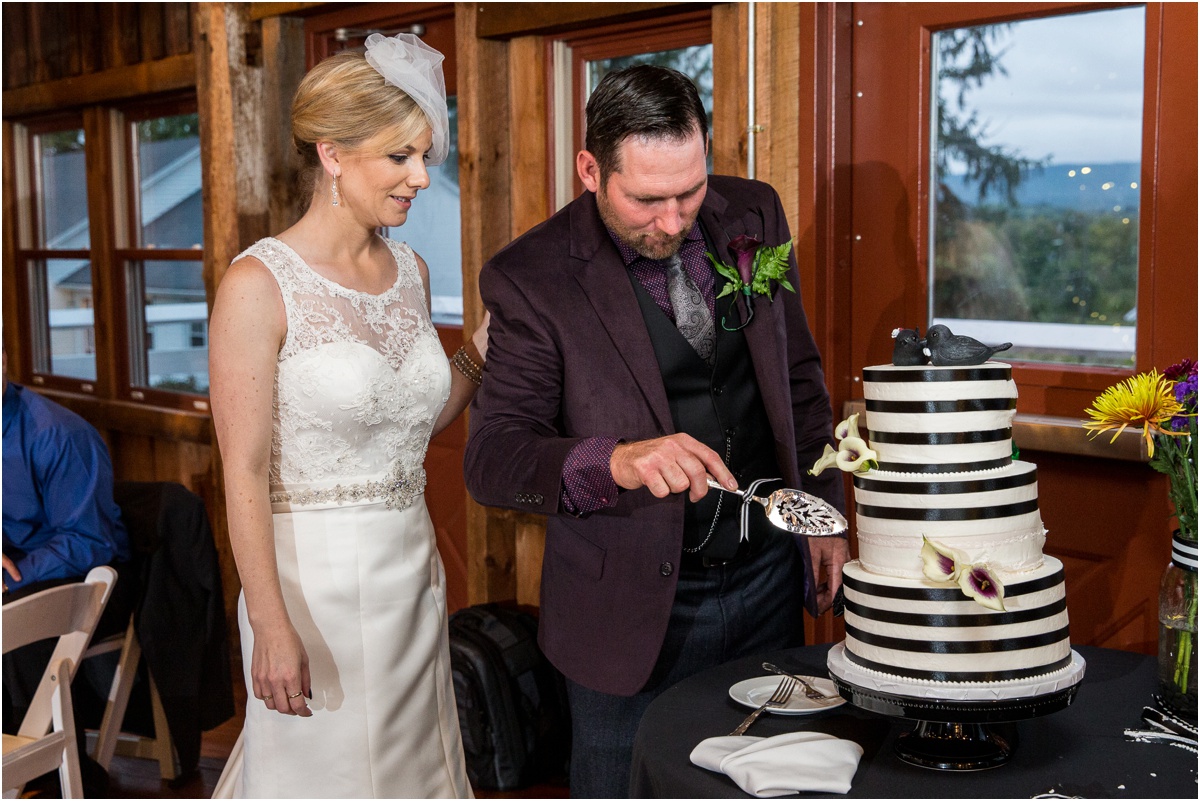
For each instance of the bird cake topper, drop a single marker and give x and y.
(941, 346)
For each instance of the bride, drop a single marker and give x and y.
(343, 608)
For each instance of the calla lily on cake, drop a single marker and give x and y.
(981, 584)
(978, 582)
(941, 563)
(853, 454)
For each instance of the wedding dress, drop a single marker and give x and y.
(361, 379)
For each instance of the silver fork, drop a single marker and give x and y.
(778, 698)
(810, 691)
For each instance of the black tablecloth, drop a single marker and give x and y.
(1079, 751)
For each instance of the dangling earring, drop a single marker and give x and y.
(336, 202)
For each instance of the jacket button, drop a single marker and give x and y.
(537, 498)
(666, 568)
(717, 391)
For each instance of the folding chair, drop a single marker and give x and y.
(46, 739)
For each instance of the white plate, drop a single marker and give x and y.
(755, 692)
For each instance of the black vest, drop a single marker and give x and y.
(721, 407)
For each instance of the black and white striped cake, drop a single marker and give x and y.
(946, 473)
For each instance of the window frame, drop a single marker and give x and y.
(129, 253)
(110, 176)
(31, 249)
(617, 40)
(1057, 390)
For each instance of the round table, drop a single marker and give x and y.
(1080, 751)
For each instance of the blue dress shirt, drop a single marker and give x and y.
(60, 519)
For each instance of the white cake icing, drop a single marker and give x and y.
(930, 630)
(946, 472)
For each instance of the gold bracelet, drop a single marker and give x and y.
(467, 366)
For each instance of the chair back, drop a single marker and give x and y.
(70, 613)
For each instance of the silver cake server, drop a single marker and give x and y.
(796, 511)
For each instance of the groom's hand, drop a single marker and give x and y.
(667, 465)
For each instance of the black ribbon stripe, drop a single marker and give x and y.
(942, 406)
(944, 594)
(945, 467)
(937, 374)
(940, 437)
(948, 647)
(955, 621)
(948, 515)
(870, 484)
(961, 676)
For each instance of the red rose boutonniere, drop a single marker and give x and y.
(755, 268)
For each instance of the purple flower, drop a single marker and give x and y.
(1175, 372)
(981, 584)
(744, 248)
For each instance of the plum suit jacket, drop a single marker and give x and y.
(569, 357)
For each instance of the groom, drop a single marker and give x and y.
(615, 381)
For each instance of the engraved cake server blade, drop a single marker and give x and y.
(796, 511)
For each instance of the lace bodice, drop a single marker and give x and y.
(361, 378)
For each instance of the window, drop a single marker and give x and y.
(56, 261)
(163, 264)
(682, 42)
(1036, 166)
(137, 168)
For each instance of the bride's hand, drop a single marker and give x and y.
(279, 670)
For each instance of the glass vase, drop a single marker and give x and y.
(1177, 630)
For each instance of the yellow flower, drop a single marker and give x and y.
(1146, 400)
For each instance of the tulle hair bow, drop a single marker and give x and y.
(414, 67)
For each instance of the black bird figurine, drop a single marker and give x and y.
(947, 349)
(909, 349)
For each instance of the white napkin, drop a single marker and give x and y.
(802, 761)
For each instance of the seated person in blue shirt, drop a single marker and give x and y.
(60, 521)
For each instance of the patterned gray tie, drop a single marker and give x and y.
(692, 316)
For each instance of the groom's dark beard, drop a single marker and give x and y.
(656, 246)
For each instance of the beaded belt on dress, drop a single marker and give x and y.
(398, 490)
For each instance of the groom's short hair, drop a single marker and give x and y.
(645, 101)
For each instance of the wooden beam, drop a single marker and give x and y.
(528, 124)
(136, 418)
(261, 11)
(103, 189)
(730, 23)
(778, 103)
(119, 83)
(283, 69)
(505, 20)
(16, 308)
(484, 161)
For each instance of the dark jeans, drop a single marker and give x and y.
(720, 613)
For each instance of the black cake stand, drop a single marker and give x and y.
(953, 735)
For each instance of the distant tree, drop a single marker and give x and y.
(966, 58)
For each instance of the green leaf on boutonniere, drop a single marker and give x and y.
(731, 273)
(771, 264)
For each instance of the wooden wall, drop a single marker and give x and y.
(244, 60)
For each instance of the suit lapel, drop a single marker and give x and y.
(766, 331)
(602, 276)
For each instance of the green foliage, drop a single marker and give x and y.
(770, 264)
(161, 129)
(59, 142)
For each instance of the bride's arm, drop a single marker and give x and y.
(462, 389)
(246, 331)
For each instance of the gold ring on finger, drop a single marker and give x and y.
(267, 697)
(297, 695)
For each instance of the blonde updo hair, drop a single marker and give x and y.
(346, 101)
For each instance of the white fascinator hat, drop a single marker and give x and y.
(414, 67)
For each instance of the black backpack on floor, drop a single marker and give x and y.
(512, 703)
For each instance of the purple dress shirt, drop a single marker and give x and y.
(587, 482)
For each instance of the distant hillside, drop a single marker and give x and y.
(1055, 186)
